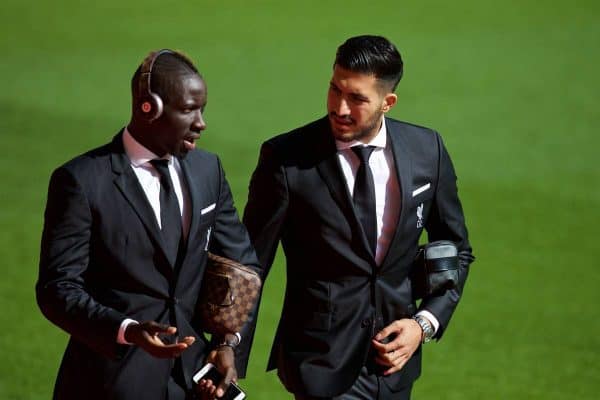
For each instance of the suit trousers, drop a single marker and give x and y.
(175, 385)
(367, 387)
(174, 391)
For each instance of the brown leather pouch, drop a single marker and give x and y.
(228, 294)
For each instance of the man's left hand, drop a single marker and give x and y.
(397, 352)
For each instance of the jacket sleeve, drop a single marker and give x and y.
(264, 217)
(447, 222)
(266, 209)
(61, 287)
(229, 236)
(230, 239)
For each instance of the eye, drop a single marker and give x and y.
(359, 99)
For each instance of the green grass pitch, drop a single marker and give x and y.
(512, 86)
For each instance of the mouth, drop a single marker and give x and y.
(341, 121)
(189, 141)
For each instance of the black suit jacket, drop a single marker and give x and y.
(336, 297)
(102, 261)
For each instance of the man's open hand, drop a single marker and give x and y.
(149, 336)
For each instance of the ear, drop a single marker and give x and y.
(389, 101)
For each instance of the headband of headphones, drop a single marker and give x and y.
(152, 106)
(145, 80)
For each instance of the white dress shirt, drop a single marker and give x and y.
(149, 179)
(387, 192)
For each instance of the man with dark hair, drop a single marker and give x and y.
(348, 195)
(124, 248)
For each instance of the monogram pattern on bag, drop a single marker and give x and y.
(229, 292)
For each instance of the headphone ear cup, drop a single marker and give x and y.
(152, 107)
(158, 106)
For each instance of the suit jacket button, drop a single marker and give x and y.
(365, 323)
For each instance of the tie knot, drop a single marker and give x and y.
(363, 152)
(160, 164)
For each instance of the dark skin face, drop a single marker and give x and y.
(181, 121)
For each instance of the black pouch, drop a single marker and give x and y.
(436, 268)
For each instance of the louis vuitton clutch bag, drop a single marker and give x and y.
(228, 294)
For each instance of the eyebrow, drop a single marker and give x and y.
(354, 95)
(192, 105)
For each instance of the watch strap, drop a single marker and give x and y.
(426, 327)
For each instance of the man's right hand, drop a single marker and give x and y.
(147, 335)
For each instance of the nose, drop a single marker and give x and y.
(342, 108)
(199, 123)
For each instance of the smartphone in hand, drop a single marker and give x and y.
(209, 371)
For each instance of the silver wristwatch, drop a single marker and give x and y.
(425, 326)
(231, 340)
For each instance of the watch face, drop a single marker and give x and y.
(428, 332)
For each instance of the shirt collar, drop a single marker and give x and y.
(137, 153)
(379, 141)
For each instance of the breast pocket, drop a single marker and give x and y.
(208, 209)
(420, 204)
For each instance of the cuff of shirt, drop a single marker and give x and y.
(121, 334)
(431, 318)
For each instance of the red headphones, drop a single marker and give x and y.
(152, 106)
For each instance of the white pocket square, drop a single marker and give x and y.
(208, 209)
(421, 189)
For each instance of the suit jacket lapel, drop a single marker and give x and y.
(129, 186)
(196, 198)
(403, 164)
(330, 170)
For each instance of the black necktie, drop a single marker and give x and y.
(364, 195)
(170, 216)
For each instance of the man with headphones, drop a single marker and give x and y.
(126, 234)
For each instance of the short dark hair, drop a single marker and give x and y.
(374, 55)
(166, 71)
